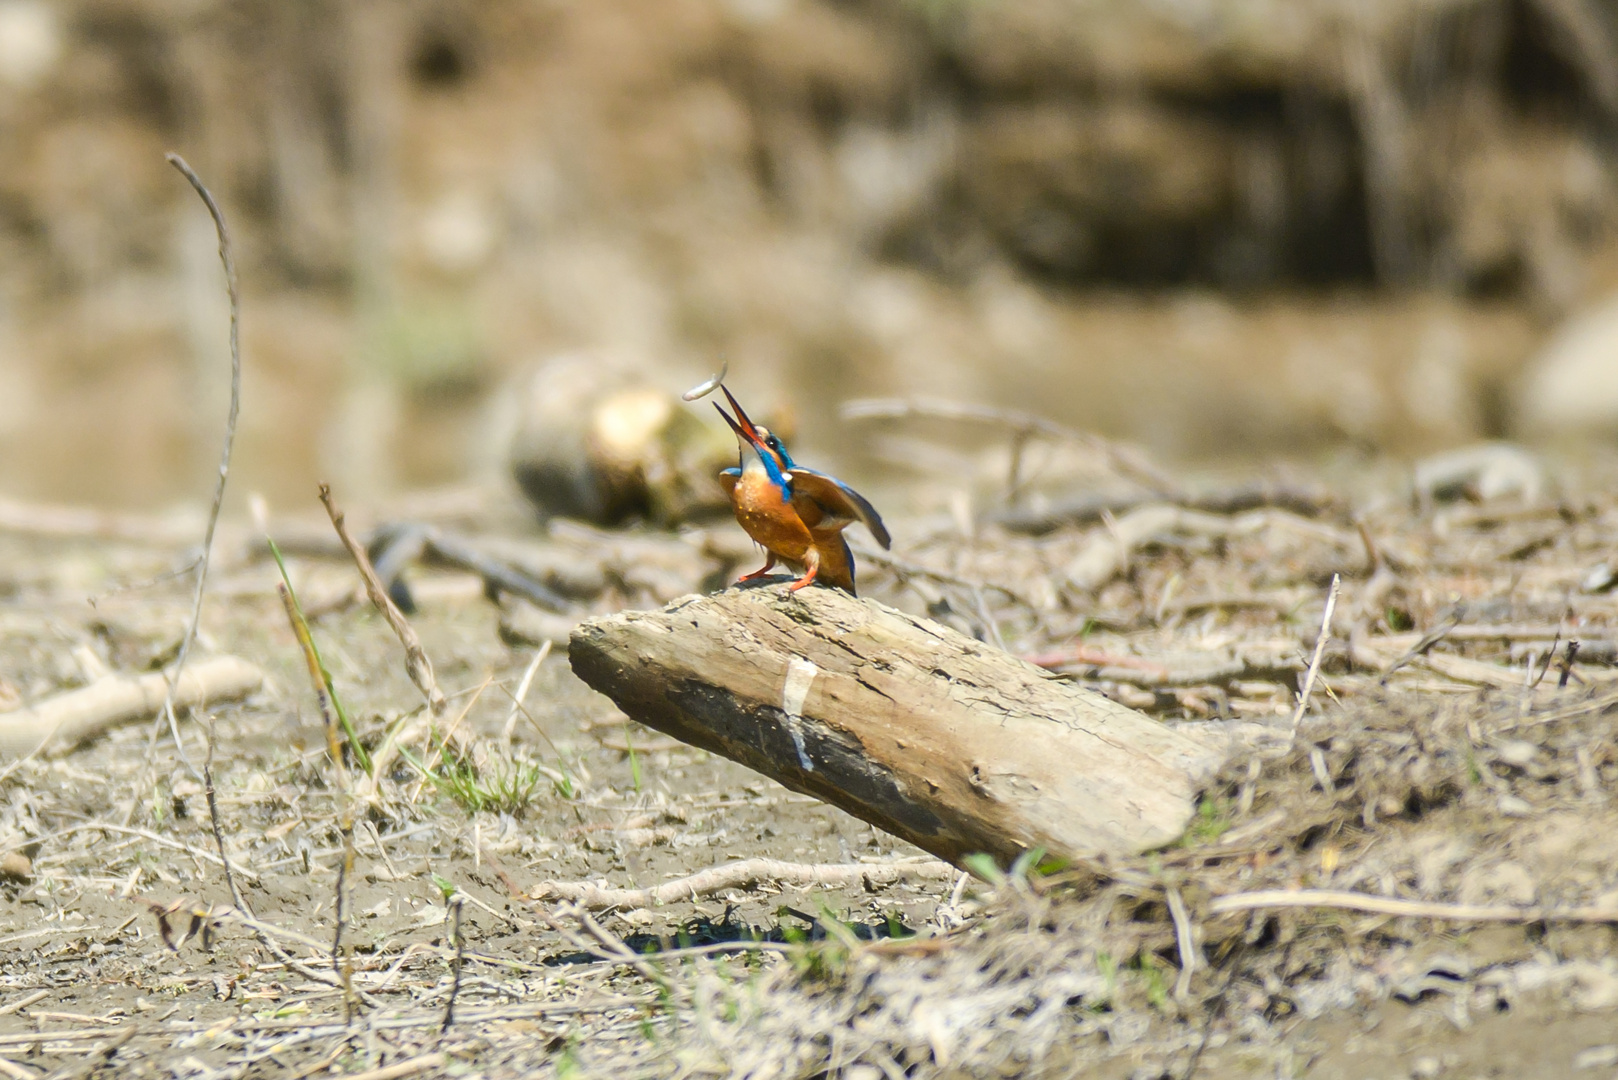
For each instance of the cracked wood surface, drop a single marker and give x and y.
(946, 742)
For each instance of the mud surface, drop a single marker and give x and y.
(1463, 770)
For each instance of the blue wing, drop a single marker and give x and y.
(838, 501)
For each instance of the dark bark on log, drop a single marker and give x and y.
(943, 741)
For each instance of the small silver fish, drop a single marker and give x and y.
(709, 385)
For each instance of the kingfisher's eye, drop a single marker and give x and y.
(773, 443)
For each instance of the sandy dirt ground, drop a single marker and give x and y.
(1450, 756)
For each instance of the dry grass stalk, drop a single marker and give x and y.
(317, 680)
(417, 664)
(1319, 654)
(342, 956)
(342, 963)
(521, 695)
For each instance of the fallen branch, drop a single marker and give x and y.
(64, 721)
(952, 745)
(1416, 909)
(742, 875)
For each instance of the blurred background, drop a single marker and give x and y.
(1222, 229)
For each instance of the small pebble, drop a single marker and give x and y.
(1516, 752)
(1597, 1057)
(1513, 806)
(16, 866)
(1425, 1068)
(1599, 579)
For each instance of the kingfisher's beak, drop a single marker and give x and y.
(748, 428)
(746, 433)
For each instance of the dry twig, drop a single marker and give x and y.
(521, 695)
(1183, 940)
(1417, 909)
(177, 672)
(410, 1067)
(456, 903)
(417, 664)
(740, 875)
(1319, 653)
(229, 263)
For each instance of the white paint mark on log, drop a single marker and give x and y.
(800, 677)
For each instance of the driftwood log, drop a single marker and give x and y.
(941, 740)
(64, 721)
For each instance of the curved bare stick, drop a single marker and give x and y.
(206, 775)
(742, 874)
(229, 262)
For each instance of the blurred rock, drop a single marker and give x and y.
(1599, 579)
(1595, 985)
(458, 233)
(1482, 472)
(598, 442)
(16, 866)
(1596, 1057)
(30, 42)
(1571, 387)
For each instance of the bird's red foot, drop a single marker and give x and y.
(765, 569)
(804, 581)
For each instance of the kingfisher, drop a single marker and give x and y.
(798, 515)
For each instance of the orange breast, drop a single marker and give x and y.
(769, 519)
